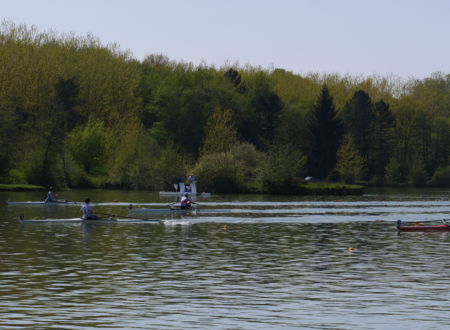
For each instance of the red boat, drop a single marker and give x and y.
(443, 227)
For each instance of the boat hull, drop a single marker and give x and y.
(79, 220)
(176, 193)
(162, 211)
(40, 203)
(425, 228)
(442, 227)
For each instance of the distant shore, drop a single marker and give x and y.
(315, 188)
(20, 187)
(326, 188)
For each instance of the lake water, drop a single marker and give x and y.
(278, 262)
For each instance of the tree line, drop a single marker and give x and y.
(77, 113)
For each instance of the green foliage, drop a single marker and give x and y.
(220, 172)
(89, 145)
(441, 178)
(418, 174)
(283, 170)
(396, 172)
(20, 187)
(350, 164)
(325, 133)
(150, 120)
(133, 165)
(221, 133)
(383, 138)
(232, 171)
(358, 120)
(169, 165)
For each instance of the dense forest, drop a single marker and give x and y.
(77, 113)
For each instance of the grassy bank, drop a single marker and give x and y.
(312, 188)
(20, 187)
(326, 188)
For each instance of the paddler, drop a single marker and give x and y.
(87, 212)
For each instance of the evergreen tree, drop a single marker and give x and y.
(383, 137)
(350, 165)
(358, 118)
(325, 133)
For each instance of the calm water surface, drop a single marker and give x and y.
(260, 262)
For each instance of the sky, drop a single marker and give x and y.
(404, 38)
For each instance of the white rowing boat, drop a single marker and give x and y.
(177, 193)
(80, 220)
(38, 203)
(163, 211)
(177, 211)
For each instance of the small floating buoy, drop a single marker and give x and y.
(350, 249)
(225, 227)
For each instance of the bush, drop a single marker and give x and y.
(249, 160)
(169, 166)
(441, 177)
(89, 146)
(395, 172)
(283, 170)
(418, 175)
(220, 172)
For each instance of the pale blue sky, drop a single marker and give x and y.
(409, 38)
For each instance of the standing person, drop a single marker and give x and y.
(191, 179)
(87, 212)
(179, 180)
(51, 198)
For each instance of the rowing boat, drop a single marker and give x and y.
(442, 227)
(37, 203)
(163, 211)
(175, 210)
(80, 220)
(177, 193)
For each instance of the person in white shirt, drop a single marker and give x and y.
(191, 179)
(87, 212)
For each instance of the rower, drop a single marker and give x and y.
(51, 198)
(185, 202)
(86, 210)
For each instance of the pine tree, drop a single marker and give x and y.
(357, 117)
(350, 165)
(325, 133)
(383, 137)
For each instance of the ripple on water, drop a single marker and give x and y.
(328, 264)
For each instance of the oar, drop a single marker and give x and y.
(126, 217)
(174, 203)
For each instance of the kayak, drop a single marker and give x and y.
(442, 227)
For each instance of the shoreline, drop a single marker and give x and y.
(310, 189)
(21, 187)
